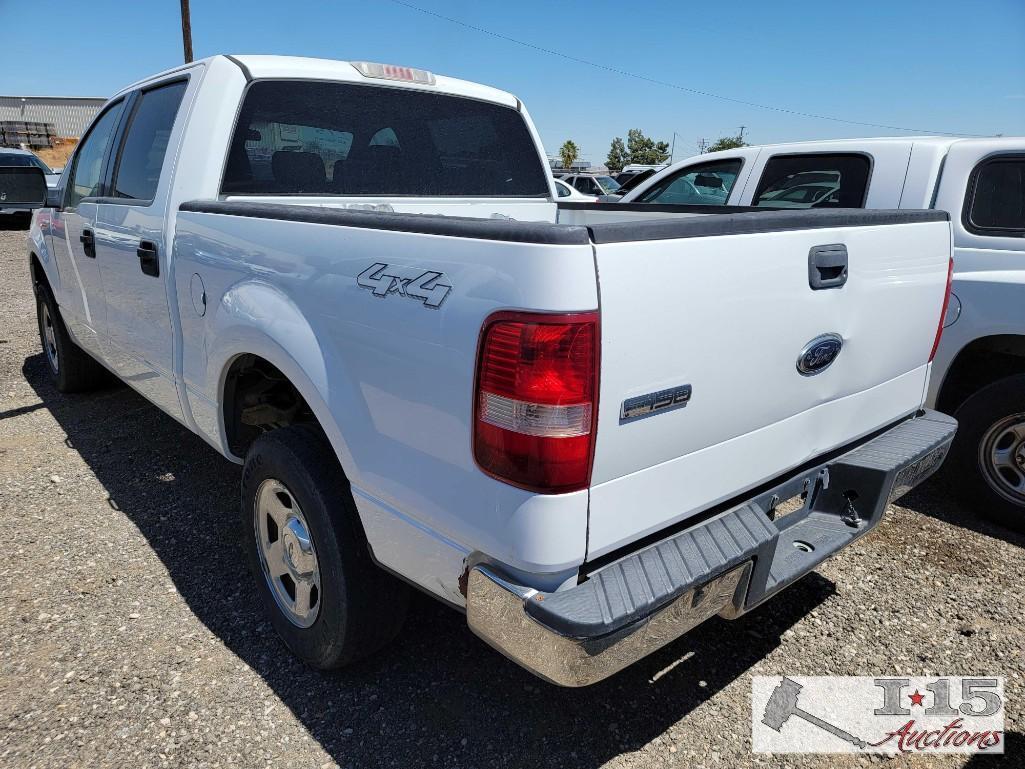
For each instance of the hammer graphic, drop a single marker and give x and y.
(783, 704)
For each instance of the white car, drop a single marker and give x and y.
(574, 423)
(592, 184)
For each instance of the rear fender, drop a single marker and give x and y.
(255, 318)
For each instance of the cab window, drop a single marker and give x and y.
(87, 174)
(145, 143)
(707, 184)
(996, 198)
(814, 181)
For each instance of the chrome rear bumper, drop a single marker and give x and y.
(726, 564)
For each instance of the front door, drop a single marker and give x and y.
(131, 247)
(73, 230)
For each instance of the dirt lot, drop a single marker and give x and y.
(130, 633)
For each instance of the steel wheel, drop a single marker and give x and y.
(49, 339)
(287, 554)
(1002, 458)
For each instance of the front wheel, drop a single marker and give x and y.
(71, 367)
(327, 600)
(987, 461)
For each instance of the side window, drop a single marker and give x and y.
(562, 190)
(708, 184)
(145, 144)
(814, 181)
(996, 198)
(586, 185)
(87, 174)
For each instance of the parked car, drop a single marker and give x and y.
(590, 184)
(979, 371)
(564, 192)
(402, 343)
(20, 158)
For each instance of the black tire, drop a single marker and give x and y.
(360, 607)
(72, 368)
(964, 470)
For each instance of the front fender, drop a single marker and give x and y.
(38, 247)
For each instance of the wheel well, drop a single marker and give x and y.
(257, 398)
(980, 363)
(36, 271)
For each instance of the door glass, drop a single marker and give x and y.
(998, 202)
(145, 145)
(814, 181)
(86, 178)
(708, 184)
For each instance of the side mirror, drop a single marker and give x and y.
(22, 187)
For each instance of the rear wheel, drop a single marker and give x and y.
(327, 600)
(73, 369)
(987, 461)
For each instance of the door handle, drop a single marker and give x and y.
(827, 266)
(148, 261)
(88, 241)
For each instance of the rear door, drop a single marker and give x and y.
(130, 243)
(72, 234)
(713, 328)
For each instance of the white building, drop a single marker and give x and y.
(69, 115)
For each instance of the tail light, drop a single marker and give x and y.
(943, 311)
(537, 399)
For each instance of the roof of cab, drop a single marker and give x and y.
(303, 68)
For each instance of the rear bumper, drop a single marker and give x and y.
(724, 565)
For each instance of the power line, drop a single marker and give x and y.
(676, 86)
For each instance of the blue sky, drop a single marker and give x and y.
(936, 65)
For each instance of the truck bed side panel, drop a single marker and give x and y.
(390, 377)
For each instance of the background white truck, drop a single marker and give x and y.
(979, 371)
(355, 280)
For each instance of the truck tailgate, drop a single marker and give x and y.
(704, 321)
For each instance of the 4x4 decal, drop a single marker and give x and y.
(429, 287)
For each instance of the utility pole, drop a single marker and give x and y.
(741, 128)
(701, 146)
(186, 31)
(672, 150)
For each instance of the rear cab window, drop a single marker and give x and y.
(834, 180)
(324, 138)
(707, 184)
(995, 201)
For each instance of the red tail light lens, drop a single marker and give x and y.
(943, 312)
(536, 399)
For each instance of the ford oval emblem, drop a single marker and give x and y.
(819, 354)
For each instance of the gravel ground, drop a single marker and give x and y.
(130, 633)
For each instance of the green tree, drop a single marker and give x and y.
(617, 155)
(727, 143)
(568, 153)
(645, 151)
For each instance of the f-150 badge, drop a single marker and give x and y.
(429, 287)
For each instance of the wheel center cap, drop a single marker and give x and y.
(1019, 456)
(298, 548)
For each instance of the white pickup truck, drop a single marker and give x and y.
(355, 280)
(979, 372)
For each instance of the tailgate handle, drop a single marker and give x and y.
(827, 266)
